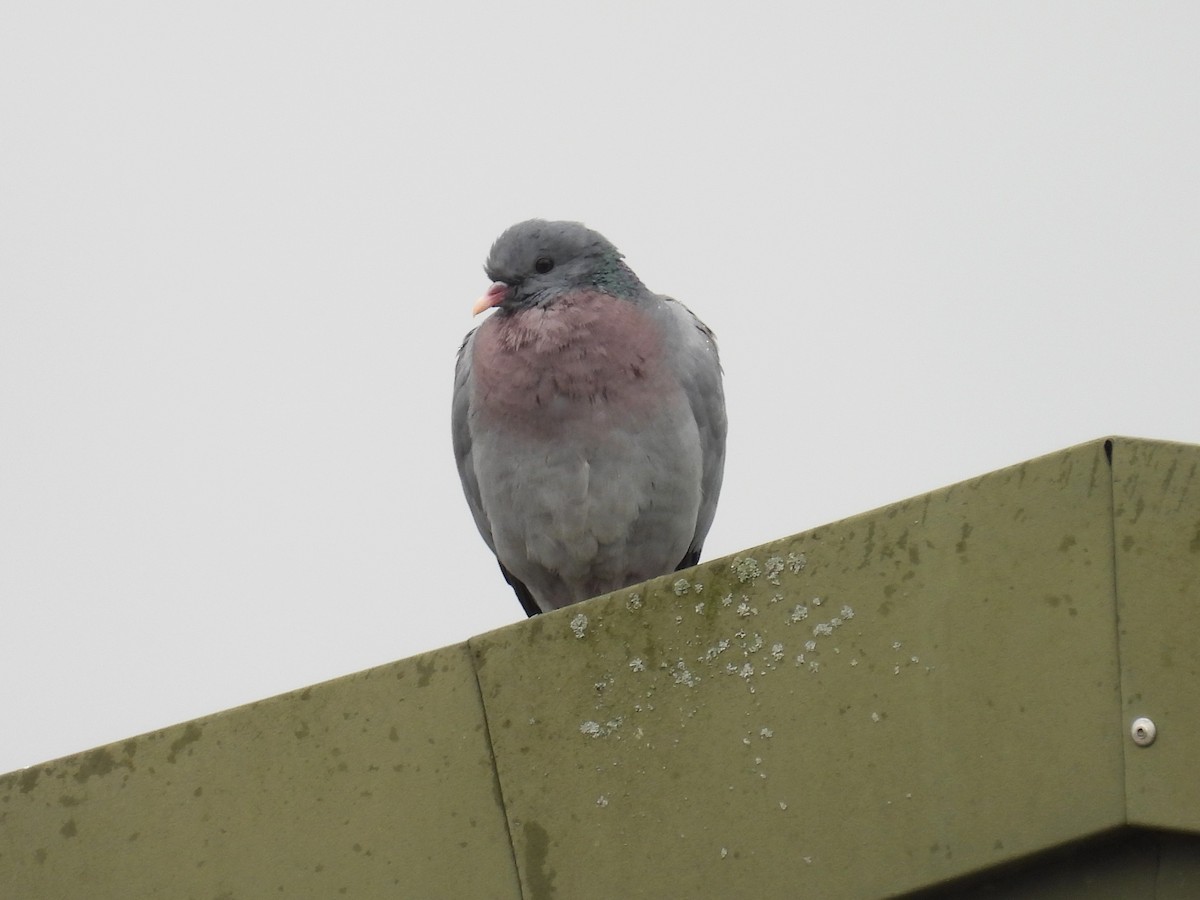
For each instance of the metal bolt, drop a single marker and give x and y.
(1143, 731)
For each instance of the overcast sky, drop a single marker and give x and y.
(239, 244)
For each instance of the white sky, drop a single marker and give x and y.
(239, 243)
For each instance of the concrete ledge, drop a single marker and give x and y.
(373, 785)
(922, 693)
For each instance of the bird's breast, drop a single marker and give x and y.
(588, 359)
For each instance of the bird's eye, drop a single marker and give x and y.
(543, 265)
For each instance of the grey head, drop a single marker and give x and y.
(534, 261)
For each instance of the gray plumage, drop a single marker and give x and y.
(588, 419)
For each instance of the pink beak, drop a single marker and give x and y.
(494, 297)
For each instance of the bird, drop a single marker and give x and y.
(588, 419)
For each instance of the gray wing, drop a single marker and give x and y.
(460, 434)
(699, 367)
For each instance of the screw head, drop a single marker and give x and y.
(1143, 731)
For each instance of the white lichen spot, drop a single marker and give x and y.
(715, 650)
(824, 629)
(896, 671)
(773, 565)
(777, 652)
(817, 601)
(724, 853)
(814, 666)
(799, 614)
(579, 625)
(683, 676)
(595, 729)
(915, 660)
(782, 805)
(698, 588)
(746, 741)
(727, 600)
(796, 562)
(875, 717)
(746, 569)
(810, 646)
(745, 610)
(895, 645)
(765, 732)
(681, 587)
(602, 801)
(679, 620)
(700, 607)
(854, 662)
(836, 622)
(746, 671)
(634, 602)
(799, 659)
(637, 664)
(755, 645)
(847, 613)
(776, 598)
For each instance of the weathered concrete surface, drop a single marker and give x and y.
(361, 787)
(883, 703)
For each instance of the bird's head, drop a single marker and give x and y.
(535, 261)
